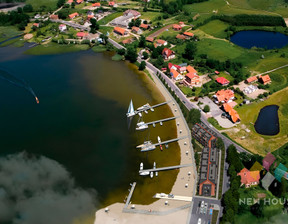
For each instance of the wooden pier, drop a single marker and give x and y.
(162, 120)
(130, 195)
(166, 168)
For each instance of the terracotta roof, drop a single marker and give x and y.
(70, 1)
(90, 17)
(174, 73)
(167, 52)
(79, 1)
(176, 26)
(251, 79)
(216, 72)
(133, 12)
(119, 30)
(222, 80)
(54, 17)
(159, 41)
(248, 177)
(111, 3)
(190, 69)
(62, 25)
(181, 23)
(144, 26)
(224, 95)
(135, 28)
(192, 75)
(71, 16)
(128, 41)
(81, 34)
(150, 39)
(36, 24)
(188, 34)
(266, 79)
(97, 4)
(233, 113)
(180, 37)
(170, 65)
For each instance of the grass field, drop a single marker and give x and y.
(7, 32)
(49, 5)
(215, 28)
(109, 18)
(53, 48)
(248, 113)
(150, 16)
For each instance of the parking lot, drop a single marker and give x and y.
(203, 208)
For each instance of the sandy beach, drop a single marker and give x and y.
(176, 211)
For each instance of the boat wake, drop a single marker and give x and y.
(17, 82)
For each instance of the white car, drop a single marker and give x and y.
(205, 208)
(199, 221)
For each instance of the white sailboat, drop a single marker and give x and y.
(131, 111)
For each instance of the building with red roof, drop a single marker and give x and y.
(62, 27)
(144, 26)
(224, 96)
(131, 12)
(36, 24)
(175, 75)
(180, 37)
(97, 4)
(252, 79)
(53, 16)
(176, 27)
(81, 35)
(265, 79)
(249, 178)
(128, 41)
(111, 3)
(268, 161)
(69, 1)
(120, 31)
(222, 81)
(79, 1)
(188, 35)
(231, 113)
(168, 54)
(191, 78)
(160, 42)
(73, 15)
(136, 30)
(150, 39)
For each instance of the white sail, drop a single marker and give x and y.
(131, 111)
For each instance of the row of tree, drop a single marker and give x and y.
(14, 18)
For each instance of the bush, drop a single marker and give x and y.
(206, 108)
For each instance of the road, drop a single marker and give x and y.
(74, 25)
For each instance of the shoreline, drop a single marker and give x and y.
(175, 211)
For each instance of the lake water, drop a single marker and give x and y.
(260, 39)
(267, 122)
(81, 123)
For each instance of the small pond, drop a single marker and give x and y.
(260, 39)
(267, 122)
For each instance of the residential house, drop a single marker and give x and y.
(36, 25)
(73, 15)
(97, 4)
(168, 54)
(173, 66)
(268, 160)
(231, 113)
(53, 16)
(181, 23)
(251, 79)
(190, 69)
(188, 35)
(222, 81)
(112, 3)
(69, 2)
(204, 135)
(267, 180)
(180, 37)
(62, 27)
(224, 96)
(131, 12)
(249, 178)
(150, 39)
(136, 30)
(175, 75)
(128, 41)
(120, 31)
(144, 26)
(81, 35)
(79, 1)
(160, 42)
(191, 79)
(176, 27)
(265, 79)
(216, 72)
(89, 17)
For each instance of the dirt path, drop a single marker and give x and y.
(158, 32)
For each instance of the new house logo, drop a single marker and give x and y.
(266, 201)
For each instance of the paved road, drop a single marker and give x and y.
(74, 25)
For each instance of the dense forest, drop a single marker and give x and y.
(11, 1)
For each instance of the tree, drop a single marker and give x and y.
(104, 38)
(190, 51)
(159, 62)
(283, 187)
(257, 209)
(194, 116)
(28, 8)
(73, 5)
(206, 108)
(145, 55)
(220, 144)
(121, 51)
(60, 3)
(142, 65)
(94, 26)
(142, 41)
(137, 22)
(131, 54)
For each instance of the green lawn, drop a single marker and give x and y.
(215, 123)
(215, 28)
(109, 18)
(49, 5)
(54, 48)
(7, 32)
(248, 113)
(151, 16)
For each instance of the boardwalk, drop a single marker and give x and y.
(130, 195)
(175, 197)
(162, 120)
(166, 168)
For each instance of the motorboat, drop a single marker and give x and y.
(141, 126)
(146, 173)
(141, 166)
(159, 141)
(151, 174)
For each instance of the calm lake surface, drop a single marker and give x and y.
(267, 122)
(81, 123)
(260, 39)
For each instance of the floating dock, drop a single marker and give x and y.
(166, 168)
(151, 147)
(162, 120)
(130, 195)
